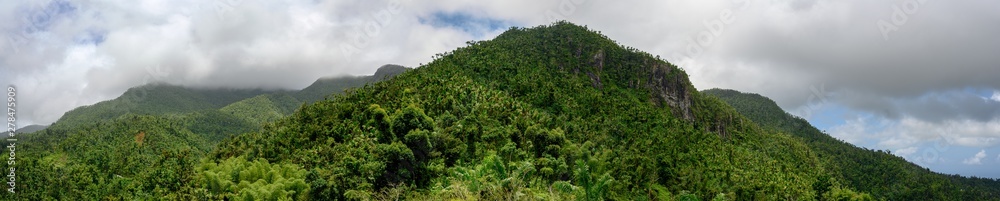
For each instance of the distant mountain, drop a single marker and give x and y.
(24, 130)
(331, 85)
(878, 172)
(31, 128)
(156, 99)
(163, 99)
(336, 85)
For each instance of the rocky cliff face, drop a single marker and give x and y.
(598, 63)
(670, 88)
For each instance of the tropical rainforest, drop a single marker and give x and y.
(554, 112)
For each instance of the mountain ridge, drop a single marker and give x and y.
(895, 177)
(24, 130)
(150, 139)
(323, 87)
(164, 99)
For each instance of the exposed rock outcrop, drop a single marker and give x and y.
(598, 63)
(669, 88)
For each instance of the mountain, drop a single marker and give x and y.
(551, 112)
(24, 130)
(155, 99)
(880, 173)
(31, 129)
(148, 141)
(164, 99)
(335, 85)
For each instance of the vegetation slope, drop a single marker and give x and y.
(551, 112)
(147, 143)
(880, 173)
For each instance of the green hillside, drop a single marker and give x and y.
(878, 172)
(263, 108)
(148, 142)
(164, 99)
(126, 157)
(552, 112)
(155, 99)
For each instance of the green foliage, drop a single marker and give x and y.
(155, 99)
(840, 194)
(409, 119)
(146, 144)
(239, 179)
(263, 108)
(131, 157)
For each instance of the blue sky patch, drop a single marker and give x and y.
(830, 115)
(40, 18)
(474, 25)
(95, 37)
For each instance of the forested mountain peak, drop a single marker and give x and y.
(555, 107)
(566, 49)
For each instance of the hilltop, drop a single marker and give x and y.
(550, 112)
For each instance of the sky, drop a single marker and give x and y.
(918, 78)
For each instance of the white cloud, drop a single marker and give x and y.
(977, 159)
(911, 131)
(855, 130)
(909, 134)
(245, 44)
(906, 152)
(996, 96)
